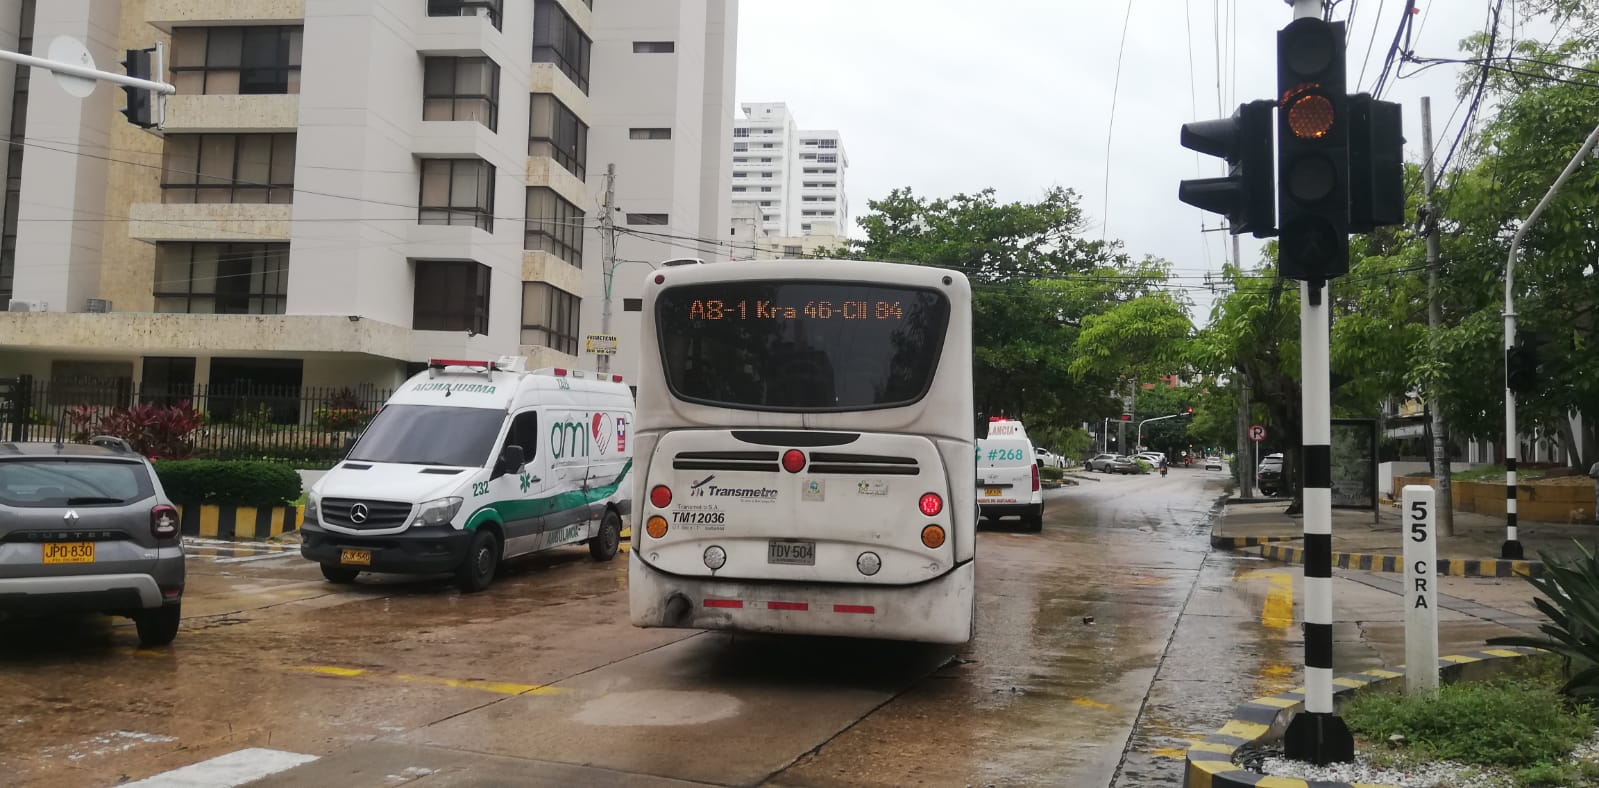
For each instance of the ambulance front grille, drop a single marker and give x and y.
(373, 515)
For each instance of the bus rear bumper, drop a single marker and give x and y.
(937, 611)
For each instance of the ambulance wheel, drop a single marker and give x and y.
(339, 574)
(605, 543)
(477, 572)
(1034, 522)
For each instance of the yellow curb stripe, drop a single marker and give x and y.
(1281, 782)
(1278, 703)
(1502, 652)
(209, 515)
(244, 522)
(1460, 659)
(1207, 746)
(1382, 674)
(1350, 683)
(1243, 730)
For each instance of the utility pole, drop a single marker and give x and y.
(608, 247)
(1512, 546)
(1429, 217)
(1243, 463)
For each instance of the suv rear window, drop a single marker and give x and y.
(53, 482)
(796, 345)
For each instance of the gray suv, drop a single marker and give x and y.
(88, 528)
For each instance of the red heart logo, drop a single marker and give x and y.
(595, 427)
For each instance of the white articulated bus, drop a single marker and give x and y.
(805, 451)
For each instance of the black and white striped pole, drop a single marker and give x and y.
(1313, 204)
(1517, 373)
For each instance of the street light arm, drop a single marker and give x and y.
(1521, 232)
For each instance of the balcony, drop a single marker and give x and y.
(255, 222)
(178, 334)
(544, 171)
(231, 113)
(547, 78)
(165, 14)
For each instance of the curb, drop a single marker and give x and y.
(237, 522)
(1209, 763)
(1379, 562)
(1240, 542)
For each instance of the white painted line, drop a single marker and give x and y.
(267, 557)
(226, 771)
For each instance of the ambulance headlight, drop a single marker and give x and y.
(439, 512)
(313, 506)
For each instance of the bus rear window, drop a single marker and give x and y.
(800, 345)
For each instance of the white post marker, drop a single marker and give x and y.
(1420, 538)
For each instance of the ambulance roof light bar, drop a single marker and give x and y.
(562, 372)
(478, 367)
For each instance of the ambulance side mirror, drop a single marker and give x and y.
(511, 460)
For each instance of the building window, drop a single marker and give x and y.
(766, 175)
(553, 225)
(557, 39)
(19, 125)
(654, 47)
(648, 218)
(555, 131)
(827, 158)
(550, 317)
(738, 188)
(649, 134)
(221, 279)
(768, 145)
(228, 168)
(805, 228)
(236, 60)
(740, 174)
(739, 147)
(457, 191)
(793, 251)
(766, 188)
(461, 88)
(488, 8)
(826, 143)
(451, 295)
(741, 132)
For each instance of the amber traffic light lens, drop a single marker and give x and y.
(1311, 117)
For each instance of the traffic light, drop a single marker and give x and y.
(1188, 411)
(1376, 164)
(1312, 151)
(1521, 364)
(1247, 195)
(140, 101)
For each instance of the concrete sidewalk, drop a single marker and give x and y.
(1361, 541)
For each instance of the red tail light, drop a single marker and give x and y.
(1035, 477)
(661, 496)
(164, 522)
(930, 504)
(793, 461)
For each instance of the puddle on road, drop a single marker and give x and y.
(657, 708)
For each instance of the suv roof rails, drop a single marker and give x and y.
(111, 442)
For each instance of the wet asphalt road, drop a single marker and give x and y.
(1104, 644)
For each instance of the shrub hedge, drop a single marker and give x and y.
(228, 482)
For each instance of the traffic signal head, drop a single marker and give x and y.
(1376, 164)
(1246, 196)
(1312, 151)
(139, 110)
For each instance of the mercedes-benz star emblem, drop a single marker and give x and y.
(71, 516)
(358, 513)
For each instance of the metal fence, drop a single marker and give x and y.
(306, 426)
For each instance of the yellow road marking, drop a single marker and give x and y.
(1174, 753)
(1278, 612)
(1092, 704)
(496, 687)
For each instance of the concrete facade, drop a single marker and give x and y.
(333, 258)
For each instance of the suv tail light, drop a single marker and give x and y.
(1035, 477)
(164, 522)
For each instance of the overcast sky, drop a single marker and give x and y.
(948, 97)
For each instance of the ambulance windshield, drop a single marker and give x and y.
(430, 435)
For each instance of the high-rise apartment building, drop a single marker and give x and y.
(794, 178)
(344, 190)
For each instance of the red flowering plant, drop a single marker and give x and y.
(157, 432)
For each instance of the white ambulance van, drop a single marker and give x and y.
(474, 462)
(1007, 475)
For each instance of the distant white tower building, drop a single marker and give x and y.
(794, 178)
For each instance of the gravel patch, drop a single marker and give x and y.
(1437, 774)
